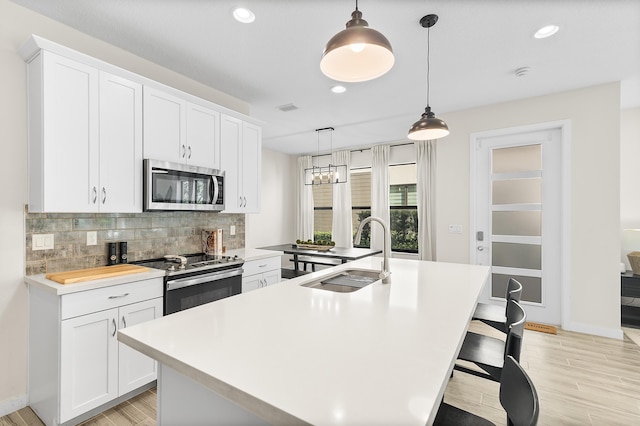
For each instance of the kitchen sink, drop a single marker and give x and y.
(346, 281)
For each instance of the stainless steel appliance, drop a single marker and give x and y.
(175, 186)
(195, 279)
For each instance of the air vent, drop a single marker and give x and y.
(287, 107)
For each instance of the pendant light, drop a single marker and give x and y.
(331, 174)
(429, 126)
(357, 53)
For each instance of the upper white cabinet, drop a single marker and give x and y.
(92, 123)
(241, 158)
(85, 138)
(120, 145)
(180, 131)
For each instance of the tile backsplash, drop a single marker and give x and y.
(148, 235)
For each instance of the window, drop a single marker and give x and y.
(402, 201)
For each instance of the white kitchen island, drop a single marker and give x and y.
(288, 354)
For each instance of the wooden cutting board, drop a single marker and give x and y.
(80, 275)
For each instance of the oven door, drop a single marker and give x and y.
(195, 290)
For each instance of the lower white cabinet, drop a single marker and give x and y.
(86, 366)
(261, 273)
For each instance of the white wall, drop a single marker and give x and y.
(594, 287)
(275, 224)
(17, 24)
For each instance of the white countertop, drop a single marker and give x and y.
(59, 289)
(253, 254)
(380, 355)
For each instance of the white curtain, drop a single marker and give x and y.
(341, 228)
(379, 192)
(304, 201)
(426, 168)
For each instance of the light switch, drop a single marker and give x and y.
(455, 229)
(232, 230)
(42, 242)
(92, 238)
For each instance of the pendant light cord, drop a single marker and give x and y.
(428, 61)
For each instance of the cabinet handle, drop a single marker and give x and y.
(240, 201)
(245, 202)
(261, 283)
(113, 320)
(119, 297)
(104, 195)
(262, 266)
(189, 152)
(124, 322)
(95, 195)
(184, 151)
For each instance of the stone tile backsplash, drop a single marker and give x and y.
(148, 235)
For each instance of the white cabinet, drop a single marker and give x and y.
(261, 273)
(241, 158)
(85, 138)
(76, 363)
(180, 131)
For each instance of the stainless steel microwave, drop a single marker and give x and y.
(175, 186)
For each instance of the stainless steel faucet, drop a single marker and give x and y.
(385, 273)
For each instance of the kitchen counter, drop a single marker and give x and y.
(253, 254)
(291, 354)
(58, 289)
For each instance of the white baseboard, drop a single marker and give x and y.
(14, 404)
(614, 333)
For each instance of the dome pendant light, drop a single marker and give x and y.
(357, 53)
(429, 126)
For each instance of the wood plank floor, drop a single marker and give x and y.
(580, 379)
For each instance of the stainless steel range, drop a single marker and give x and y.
(196, 279)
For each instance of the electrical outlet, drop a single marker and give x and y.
(42, 242)
(232, 230)
(92, 238)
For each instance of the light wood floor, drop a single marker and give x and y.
(580, 379)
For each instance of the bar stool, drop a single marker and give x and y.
(494, 315)
(518, 397)
(489, 353)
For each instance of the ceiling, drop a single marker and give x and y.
(476, 46)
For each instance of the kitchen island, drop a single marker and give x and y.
(289, 354)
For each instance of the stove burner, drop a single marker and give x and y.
(191, 263)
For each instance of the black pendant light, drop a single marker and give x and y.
(429, 126)
(357, 53)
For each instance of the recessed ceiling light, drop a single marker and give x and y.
(243, 15)
(546, 31)
(338, 89)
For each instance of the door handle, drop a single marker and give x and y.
(115, 327)
(95, 195)
(189, 152)
(184, 151)
(480, 248)
(104, 195)
(124, 322)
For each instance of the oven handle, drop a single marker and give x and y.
(186, 282)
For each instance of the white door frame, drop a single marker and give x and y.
(565, 197)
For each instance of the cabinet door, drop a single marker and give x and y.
(136, 369)
(164, 132)
(89, 362)
(67, 150)
(120, 145)
(251, 166)
(272, 277)
(203, 136)
(230, 140)
(252, 282)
